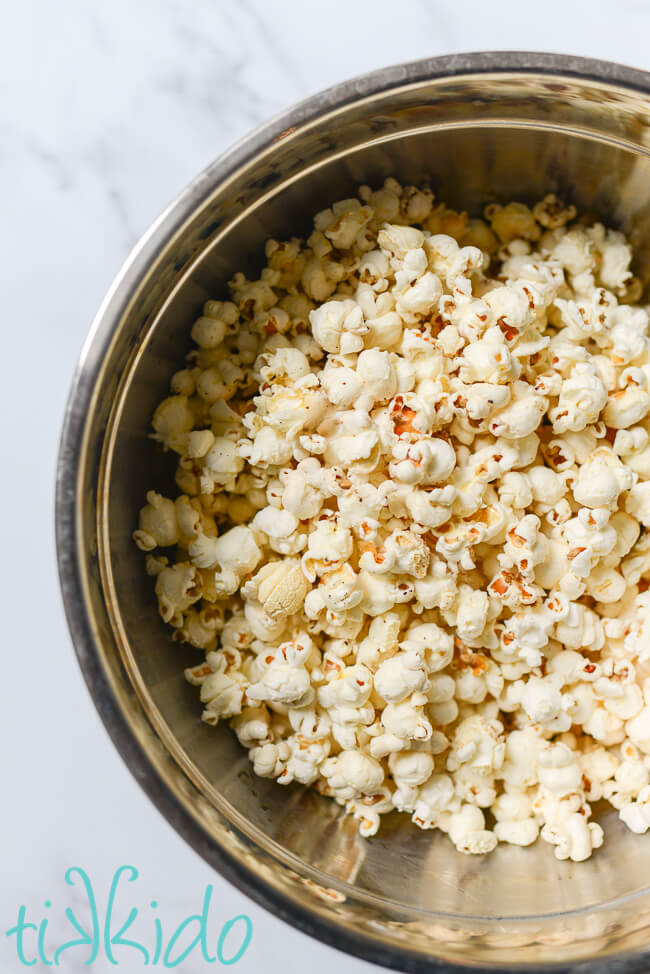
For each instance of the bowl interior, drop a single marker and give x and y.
(474, 138)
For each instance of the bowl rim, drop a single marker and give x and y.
(68, 527)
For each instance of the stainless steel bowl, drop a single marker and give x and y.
(479, 127)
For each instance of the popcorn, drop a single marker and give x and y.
(574, 838)
(400, 676)
(468, 833)
(222, 687)
(158, 525)
(352, 774)
(601, 478)
(636, 814)
(414, 469)
(407, 720)
(638, 730)
(637, 503)
(418, 300)
(338, 326)
(281, 587)
(488, 360)
(328, 547)
(512, 222)
(284, 679)
(178, 587)
(342, 385)
(582, 397)
(626, 407)
(279, 526)
(423, 462)
(172, 420)
(477, 743)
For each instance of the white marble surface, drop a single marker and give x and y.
(106, 111)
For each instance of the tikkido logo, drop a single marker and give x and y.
(195, 935)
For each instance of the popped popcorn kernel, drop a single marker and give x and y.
(412, 542)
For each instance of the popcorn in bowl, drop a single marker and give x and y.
(411, 539)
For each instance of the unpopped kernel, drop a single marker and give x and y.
(412, 534)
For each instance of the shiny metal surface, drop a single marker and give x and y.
(479, 128)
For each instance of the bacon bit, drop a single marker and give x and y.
(270, 328)
(589, 668)
(269, 659)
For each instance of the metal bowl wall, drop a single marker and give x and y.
(477, 128)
